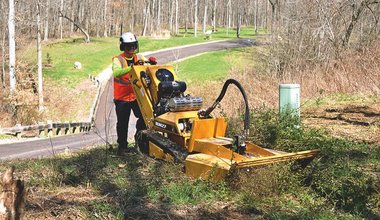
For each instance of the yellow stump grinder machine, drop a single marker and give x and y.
(179, 130)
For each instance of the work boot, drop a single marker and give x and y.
(124, 151)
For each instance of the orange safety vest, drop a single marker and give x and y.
(122, 88)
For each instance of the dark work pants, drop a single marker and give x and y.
(123, 112)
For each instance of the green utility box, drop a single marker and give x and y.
(290, 99)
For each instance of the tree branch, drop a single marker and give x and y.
(76, 25)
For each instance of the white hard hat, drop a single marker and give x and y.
(128, 37)
(127, 40)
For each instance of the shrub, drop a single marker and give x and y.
(344, 174)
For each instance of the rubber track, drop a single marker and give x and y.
(177, 151)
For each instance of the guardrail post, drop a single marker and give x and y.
(58, 130)
(41, 130)
(67, 128)
(75, 128)
(81, 127)
(49, 128)
(88, 127)
(18, 132)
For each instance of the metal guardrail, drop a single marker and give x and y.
(58, 128)
(49, 129)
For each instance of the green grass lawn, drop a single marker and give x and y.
(218, 66)
(59, 57)
(195, 70)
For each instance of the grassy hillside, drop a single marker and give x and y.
(343, 182)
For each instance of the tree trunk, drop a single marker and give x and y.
(256, 15)
(238, 21)
(205, 17)
(187, 20)
(146, 15)
(12, 47)
(229, 12)
(60, 22)
(72, 15)
(214, 17)
(356, 12)
(266, 15)
(195, 17)
(12, 197)
(171, 15)
(133, 18)
(159, 16)
(98, 20)
(46, 32)
(273, 4)
(176, 18)
(152, 15)
(3, 33)
(3, 59)
(105, 19)
(39, 59)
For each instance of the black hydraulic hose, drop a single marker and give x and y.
(221, 95)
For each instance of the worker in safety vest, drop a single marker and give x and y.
(124, 97)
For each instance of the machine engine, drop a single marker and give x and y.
(171, 97)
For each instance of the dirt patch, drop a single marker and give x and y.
(358, 122)
(69, 104)
(65, 203)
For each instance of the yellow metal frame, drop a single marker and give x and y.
(210, 152)
(206, 128)
(157, 152)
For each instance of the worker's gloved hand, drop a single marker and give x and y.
(152, 60)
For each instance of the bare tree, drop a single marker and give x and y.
(273, 4)
(356, 13)
(187, 18)
(214, 16)
(195, 17)
(158, 15)
(146, 17)
(256, 15)
(12, 47)
(87, 39)
(229, 12)
(3, 42)
(238, 21)
(205, 17)
(39, 58)
(46, 32)
(60, 21)
(176, 17)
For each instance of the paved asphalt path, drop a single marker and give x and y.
(104, 130)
